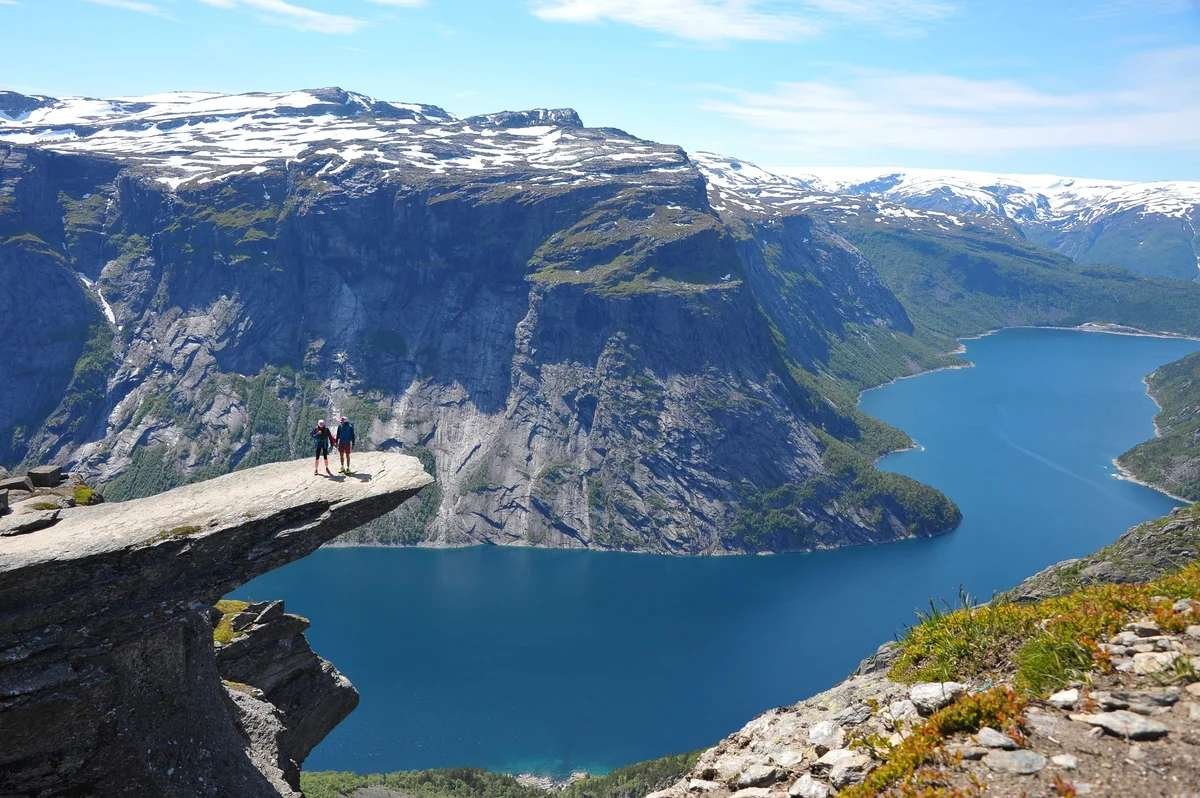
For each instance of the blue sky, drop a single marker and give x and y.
(1107, 88)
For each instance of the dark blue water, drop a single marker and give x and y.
(552, 661)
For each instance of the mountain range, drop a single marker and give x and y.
(590, 339)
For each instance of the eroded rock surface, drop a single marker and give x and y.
(108, 679)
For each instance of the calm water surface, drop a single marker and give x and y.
(553, 661)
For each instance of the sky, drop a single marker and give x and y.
(1106, 88)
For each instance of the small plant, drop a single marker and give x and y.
(84, 495)
(223, 632)
(176, 532)
(44, 506)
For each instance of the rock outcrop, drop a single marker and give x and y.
(109, 683)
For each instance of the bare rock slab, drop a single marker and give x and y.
(1021, 762)
(929, 697)
(45, 476)
(108, 605)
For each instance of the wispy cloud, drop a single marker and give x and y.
(137, 6)
(292, 15)
(745, 20)
(1157, 104)
(398, 3)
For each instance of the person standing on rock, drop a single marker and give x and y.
(323, 439)
(344, 435)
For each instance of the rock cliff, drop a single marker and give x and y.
(109, 683)
(554, 317)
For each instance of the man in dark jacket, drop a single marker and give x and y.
(322, 440)
(345, 443)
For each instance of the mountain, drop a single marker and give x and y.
(550, 315)
(590, 338)
(1149, 227)
(1171, 459)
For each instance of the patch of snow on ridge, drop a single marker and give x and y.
(181, 137)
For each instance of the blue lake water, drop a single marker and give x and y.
(551, 661)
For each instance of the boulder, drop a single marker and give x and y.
(1153, 661)
(1021, 762)
(109, 606)
(1065, 699)
(1124, 723)
(757, 775)
(16, 483)
(825, 736)
(48, 476)
(928, 697)
(808, 787)
(990, 738)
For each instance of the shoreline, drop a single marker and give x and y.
(1125, 475)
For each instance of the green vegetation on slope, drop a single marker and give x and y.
(1043, 645)
(971, 280)
(1171, 461)
(631, 781)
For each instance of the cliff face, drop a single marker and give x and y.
(109, 683)
(566, 332)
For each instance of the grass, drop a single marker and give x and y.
(907, 768)
(175, 532)
(229, 609)
(1043, 645)
(44, 506)
(84, 495)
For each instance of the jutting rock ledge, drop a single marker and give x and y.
(109, 683)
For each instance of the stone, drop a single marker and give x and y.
(701, 785)
(853, 715)
(1065, 699)
(141, 635)
(752, 792)
(1158, 697)
(902, 711)
(1153, 661)
(47, 476)
(850, 771)
(757, 775)
(825, 736)
(1125, 638)
(29, 521)
(808, 787)
(928, 697)
(1183, 605)
(1193, 689)
(1065, 761)
(1144, 628)
(971, 752)
(1193, 630)
(991, 738)
(16, 483)
(1124, 723)
(789, 758)
(1021, 762)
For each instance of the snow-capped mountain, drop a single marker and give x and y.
(1150, 227)
(200, 137)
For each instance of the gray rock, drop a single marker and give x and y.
(808, 787)
(28, 521)
(752, 792)
(1021, 762)
(1193, 630)
(928, 697)
(1153, 661)
(1065, 699)
(133, 647)
(1123, 723)
(902, 711)
(16, 483)
(970, 752)
(853, 715)
(1065, 761)
(48, 476)
(825, 736)
(702, 785)
(758, 775)
(850, 771)
(1144, 628)
(1183, 605)
(990, 738)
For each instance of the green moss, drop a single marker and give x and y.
(229, 609)
(84, 495)
(44, 506)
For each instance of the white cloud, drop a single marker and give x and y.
(1156, 105)
(281, 12)
(746, 20)
(400, 3)
(131, 5)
